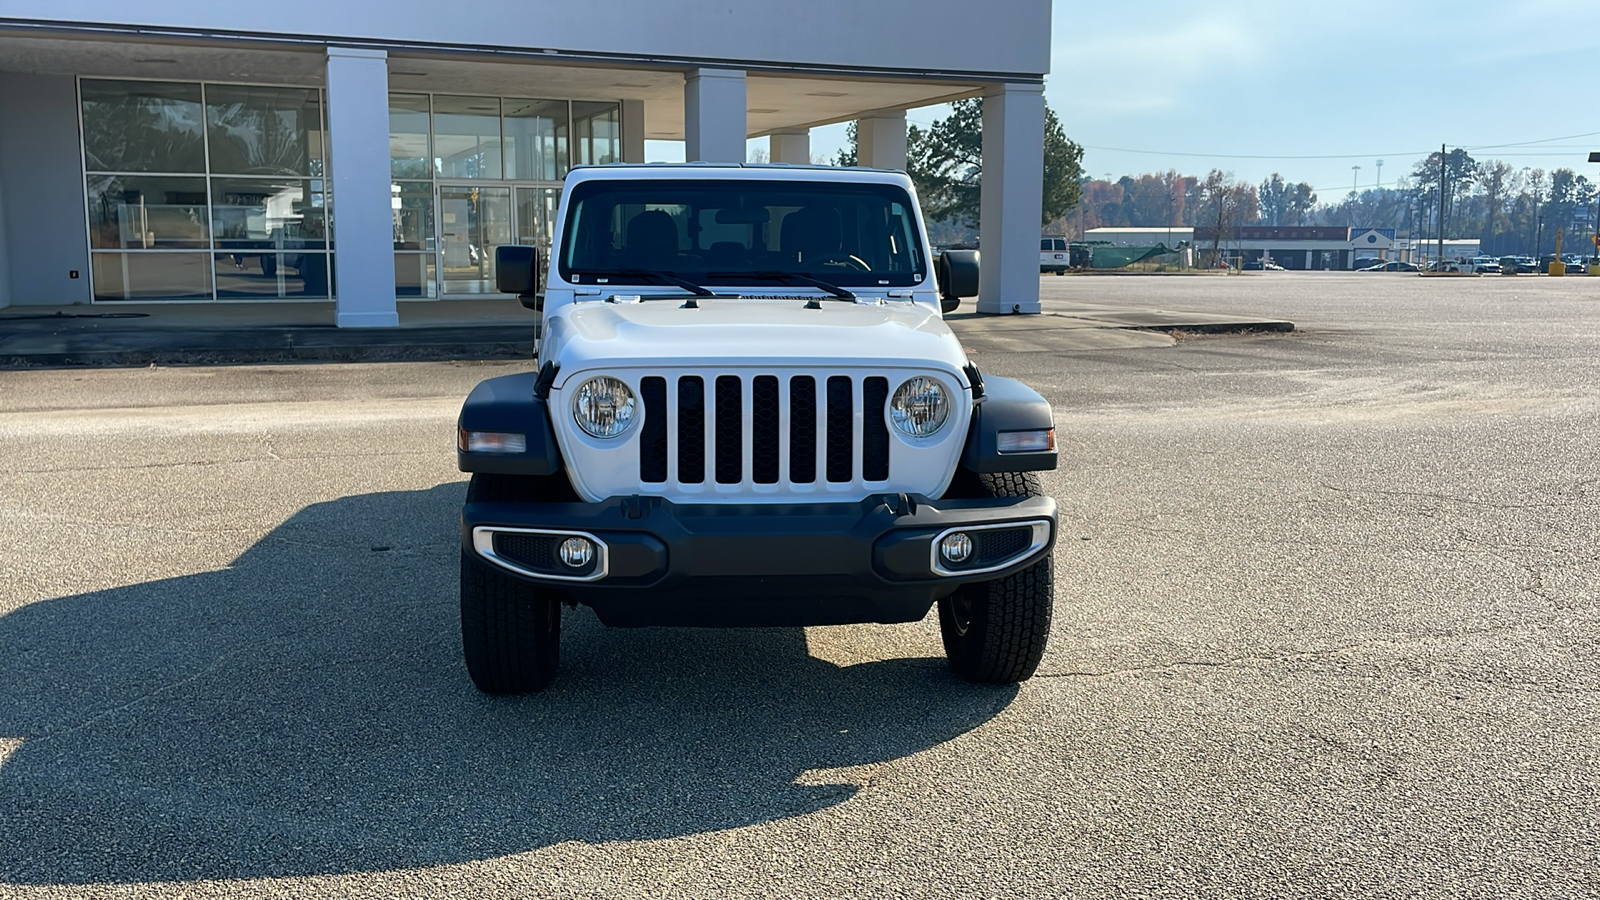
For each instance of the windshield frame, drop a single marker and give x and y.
(711, 272)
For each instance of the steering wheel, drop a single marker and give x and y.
(847, 260)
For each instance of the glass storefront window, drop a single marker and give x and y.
(596, 133)
(264, 130)
(413, 214)
(267, 276)
(239, 174)
(147, 212)
(285, 213)
(142, 126)
(473, 221)
(409, 156)
(466, 137)
(151, 276)
(416, 275)
(536, 140)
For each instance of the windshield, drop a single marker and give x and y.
(740, 231)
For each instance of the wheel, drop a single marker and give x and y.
(510, 628)
(995, 631)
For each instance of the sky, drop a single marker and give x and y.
(1269, 86)
(1309, 90)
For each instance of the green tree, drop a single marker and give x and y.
(846, 156)
(945, 162)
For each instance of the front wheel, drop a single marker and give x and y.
(995, 631)
(510, 629)
(510, 633)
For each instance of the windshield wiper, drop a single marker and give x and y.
(793, 277)
(666, 277)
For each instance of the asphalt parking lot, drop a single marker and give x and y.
(1326, 625)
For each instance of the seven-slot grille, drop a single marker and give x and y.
(821, 437)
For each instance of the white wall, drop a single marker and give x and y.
(1005, 36)
(41, 168)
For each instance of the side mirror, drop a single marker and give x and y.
(957, 275)
(516, 271)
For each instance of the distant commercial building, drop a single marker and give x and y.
(1303, 246)
(1173, 236)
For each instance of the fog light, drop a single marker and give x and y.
(956, 547)
(577, 552)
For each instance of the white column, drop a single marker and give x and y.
(633, 131)
(881, 140)
(714, 115)
(363, 223)
(791, 147)
(1012, 198)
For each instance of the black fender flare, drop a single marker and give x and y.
(509, 404)
(1005, 404)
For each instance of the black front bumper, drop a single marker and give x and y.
(762, 564)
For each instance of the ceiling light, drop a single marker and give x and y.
(761, 111)
(826, 94)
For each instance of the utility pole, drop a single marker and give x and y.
(1355, 174)
(1442, 172)
(1594, 251)
(1379, 185)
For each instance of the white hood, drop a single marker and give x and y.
(749, 331)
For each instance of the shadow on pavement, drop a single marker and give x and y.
(305, 711)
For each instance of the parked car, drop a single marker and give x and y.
(1391, 267)
(1486, 265)
(1518, 265)
(1449, 265)
(1261, 265)
(1366, 262)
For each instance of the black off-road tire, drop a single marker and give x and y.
(510, 628)
(995, 631)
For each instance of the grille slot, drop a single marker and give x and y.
(691, 429)
(653, 435)
(771, 430)
(841, 442)
(766, 424)
(874, 430)
(730, 429)
(803, 429)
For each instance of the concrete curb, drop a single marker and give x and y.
(147, 347)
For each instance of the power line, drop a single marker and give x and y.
(1566, 137)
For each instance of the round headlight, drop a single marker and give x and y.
(603, 407)
(920, 407)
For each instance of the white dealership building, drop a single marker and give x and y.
(360, 155)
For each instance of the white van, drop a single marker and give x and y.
(1054, 255)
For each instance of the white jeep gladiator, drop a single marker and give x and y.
(749, 411)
